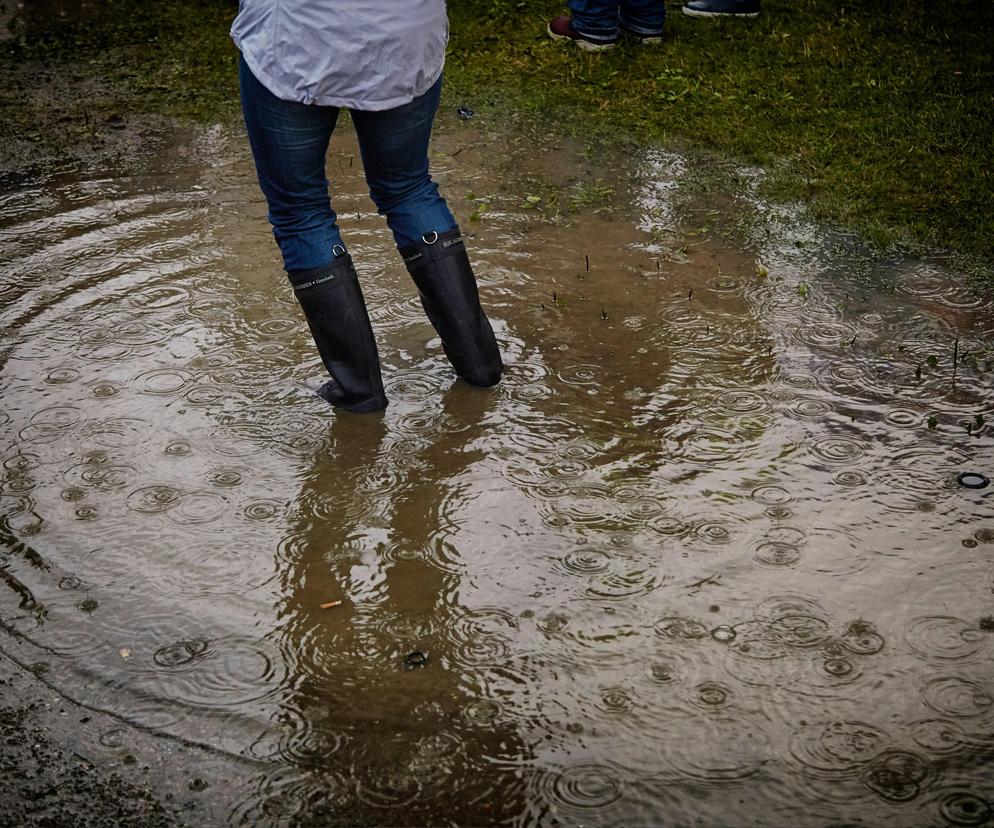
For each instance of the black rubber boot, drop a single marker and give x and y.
(332, 301)
(444, 277)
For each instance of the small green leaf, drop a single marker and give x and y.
(933, 421)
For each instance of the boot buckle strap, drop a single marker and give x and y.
(434, 237)
(428, 251)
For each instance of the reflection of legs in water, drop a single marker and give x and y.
(404, 737)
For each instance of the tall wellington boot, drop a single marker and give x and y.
(444, 277)
(332, 301)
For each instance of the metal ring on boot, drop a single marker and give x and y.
(424, 237)
(335, 250)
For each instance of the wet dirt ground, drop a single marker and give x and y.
(701, 558)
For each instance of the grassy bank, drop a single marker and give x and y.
(879, 115)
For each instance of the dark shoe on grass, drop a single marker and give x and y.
(643, 39)
(722, 8)
(561, 28)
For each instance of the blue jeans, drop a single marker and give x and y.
(599, 19)
(289, 142)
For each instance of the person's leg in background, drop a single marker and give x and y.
(593, 24)
(643, 20)
(394, 148)
(289, 142)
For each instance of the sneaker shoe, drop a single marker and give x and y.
(722, 8)
(561, 28)
(643, 39)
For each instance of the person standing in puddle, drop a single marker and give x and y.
(302, 62)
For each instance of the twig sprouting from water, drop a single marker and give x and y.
(603, 314)
(690, 294)
(955, 358)
(586, 261)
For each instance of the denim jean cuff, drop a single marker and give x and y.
(640, 28)
(595, 33)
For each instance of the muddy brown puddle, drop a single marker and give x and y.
(701, 558)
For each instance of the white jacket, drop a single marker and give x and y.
(358, 54)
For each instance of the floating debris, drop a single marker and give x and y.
(331, 604)
(415, 660)
(723, 633)
(973, 480)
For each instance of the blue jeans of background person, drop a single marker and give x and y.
(600, 18)
(289, 142)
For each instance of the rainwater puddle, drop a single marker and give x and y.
(700, 556)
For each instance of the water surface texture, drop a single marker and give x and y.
(701, 558)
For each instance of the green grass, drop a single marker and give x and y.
(878, 115)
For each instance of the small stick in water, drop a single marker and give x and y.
(955, 357)
(586, 260)
(331, 604)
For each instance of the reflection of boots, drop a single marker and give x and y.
(444, 278)
(336, 314)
